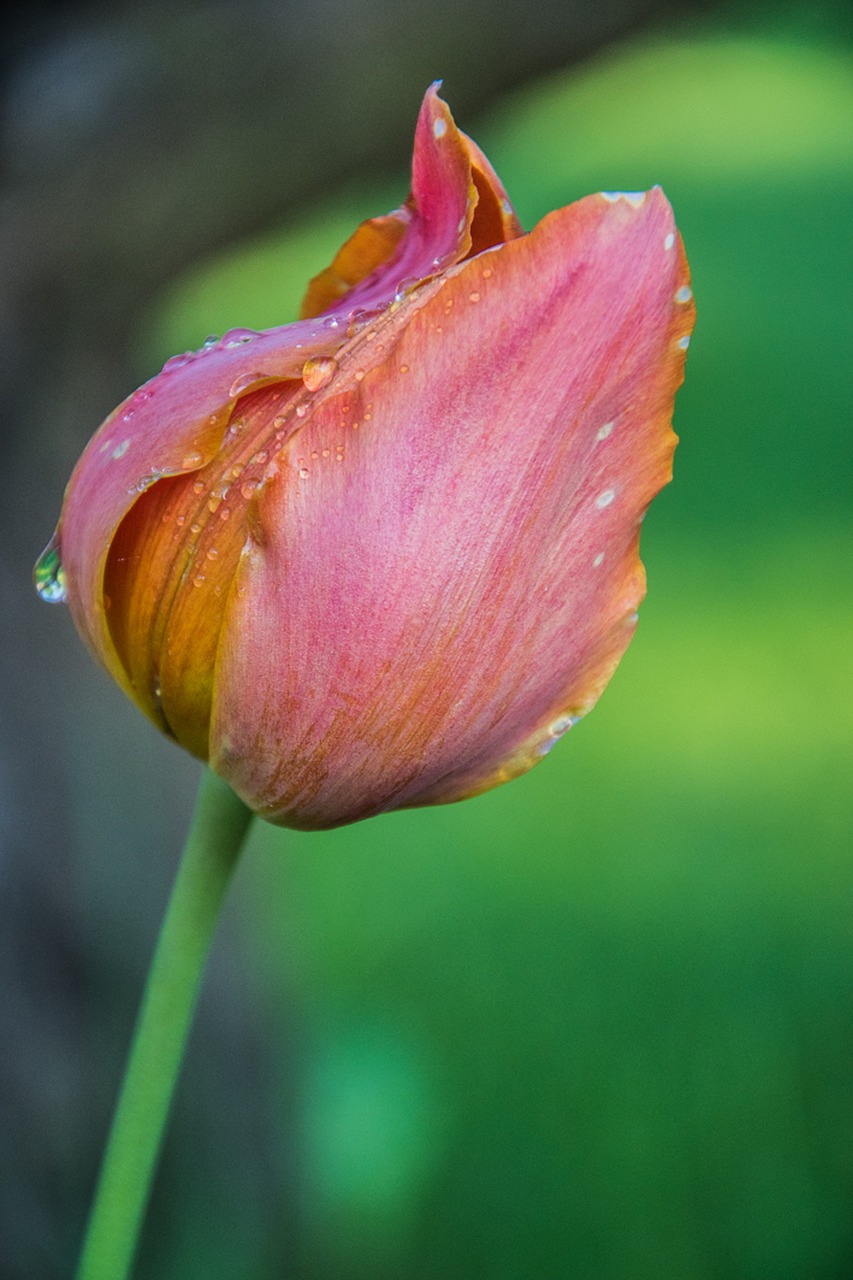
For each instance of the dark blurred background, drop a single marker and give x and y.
(599, 1023)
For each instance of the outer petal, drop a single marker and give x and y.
(457, 206)
(444, 572)
(173, 424)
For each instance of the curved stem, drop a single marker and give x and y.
(219, 825)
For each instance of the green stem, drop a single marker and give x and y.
(219, 825)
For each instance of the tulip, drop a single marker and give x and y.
(387, 555)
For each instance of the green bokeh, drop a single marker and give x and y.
(599, 1023)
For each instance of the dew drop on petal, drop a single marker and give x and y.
(49, 575)
(317, 372)
(178, 361)
(190, 460)
(237, 337)
(405, 286)
(243, 383)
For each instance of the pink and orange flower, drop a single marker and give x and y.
(386, 555)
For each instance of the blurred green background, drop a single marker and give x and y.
(597, 1024)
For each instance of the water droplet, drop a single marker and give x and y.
(212, 553)
(198, 579)
(331, 322)
(180, 521)
(210, 341)
(244, 382)
(198, 487)
(404, 368)
(604, 499)
(439, 127)
(405, 287)
(121, 449)
(224, 513)
(49, 575)
(178, 361)
(190, 460)
(195, 528)
(474, 297)
(304, 472)
(316, 373)
(237, 337)
(359, 375)
(301, 410)
(634, 198)
(248, 488)
(356, 318)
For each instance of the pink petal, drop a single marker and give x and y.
(456, 202)
(444, 571)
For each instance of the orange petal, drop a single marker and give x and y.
(174, 424)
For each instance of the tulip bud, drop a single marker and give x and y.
(387, 555)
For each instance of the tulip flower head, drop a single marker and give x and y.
(386, 555)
